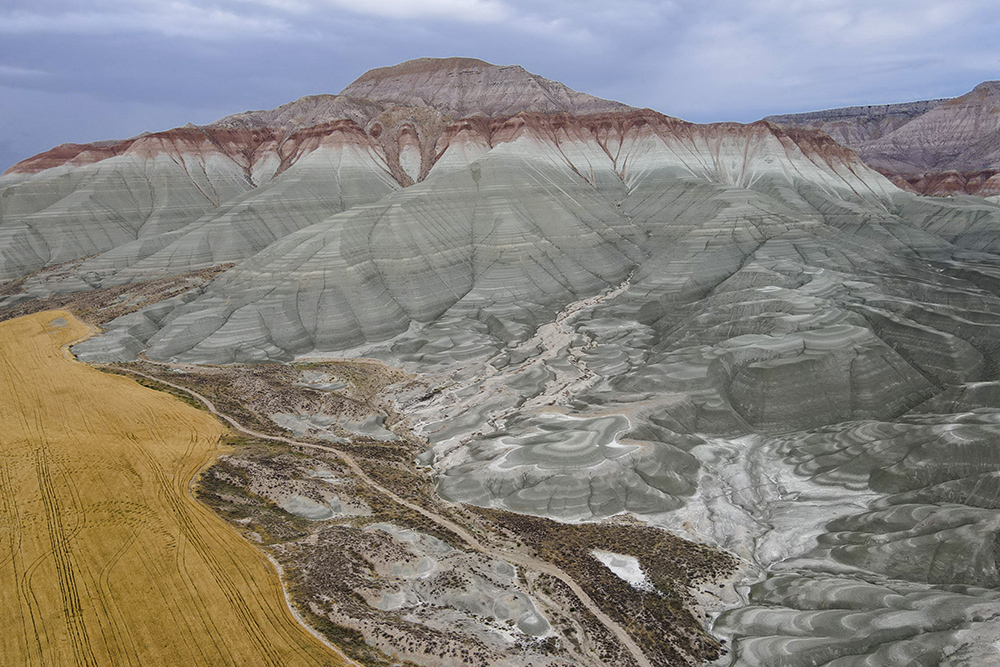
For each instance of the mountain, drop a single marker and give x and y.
(200, 195)
(940, 147)
(742, 333)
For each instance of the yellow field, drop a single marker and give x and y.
(105, 558)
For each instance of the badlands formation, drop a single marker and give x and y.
(934, 147)
(743, 334)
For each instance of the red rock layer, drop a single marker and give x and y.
(72, 155)
(242, 146)
(982, 183)
(387, 135)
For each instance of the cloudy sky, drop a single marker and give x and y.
(85, 70)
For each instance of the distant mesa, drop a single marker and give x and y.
(934, 147)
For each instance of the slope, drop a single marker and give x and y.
(562, 209)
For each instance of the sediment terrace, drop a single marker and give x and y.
(105, 557)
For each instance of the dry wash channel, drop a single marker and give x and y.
(105, 558)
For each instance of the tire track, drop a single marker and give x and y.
(63, 525)
(26, 596)
(15, 539)
(63, 558)
(195, 607)
(195, 537)
(124, 644)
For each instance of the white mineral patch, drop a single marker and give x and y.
(409, 160)
(369, 427)
(310, 509)
(321, 381)
(626, 568)
(303, 424)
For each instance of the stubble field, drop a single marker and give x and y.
(105, 557)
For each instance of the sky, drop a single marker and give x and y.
(86, 70)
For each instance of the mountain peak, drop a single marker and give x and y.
(419, 66)
(461, 87)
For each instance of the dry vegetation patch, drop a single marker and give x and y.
(663, 620)
(100, 306)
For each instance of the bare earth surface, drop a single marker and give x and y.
(450, 526)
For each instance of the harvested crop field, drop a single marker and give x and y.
(105, 557)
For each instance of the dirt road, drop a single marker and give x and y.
(516, 558)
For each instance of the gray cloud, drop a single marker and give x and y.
(485, 11)
(170, 19)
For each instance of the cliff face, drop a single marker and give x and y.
(936, 147)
